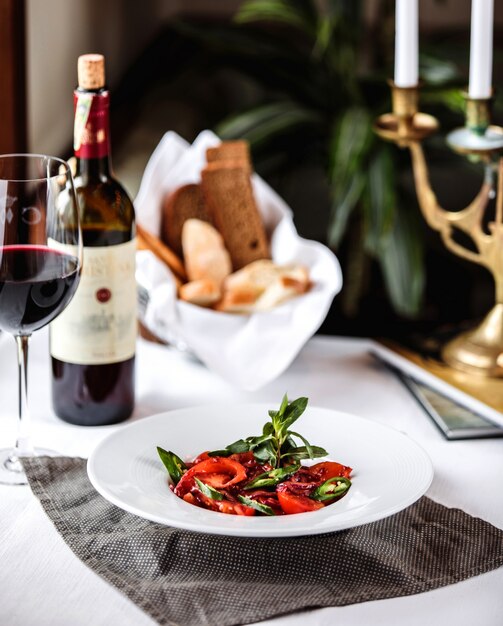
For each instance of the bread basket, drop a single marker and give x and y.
(246, 350)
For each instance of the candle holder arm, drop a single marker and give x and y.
(468, 220)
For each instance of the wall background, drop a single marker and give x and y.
(58, 31)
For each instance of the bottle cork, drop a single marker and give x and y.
(91, 71)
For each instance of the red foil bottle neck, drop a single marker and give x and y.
(91, 129)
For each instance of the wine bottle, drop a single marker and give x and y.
(93, 341)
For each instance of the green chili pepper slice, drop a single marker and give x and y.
(273, 477)
(261, 508)
(207, 490)
(332, 488)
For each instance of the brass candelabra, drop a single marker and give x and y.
(480, 350)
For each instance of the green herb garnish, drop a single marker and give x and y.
(297, 454)
(234, 448)
(277, 442)
(261, 508)
(274, 477)
(331, 488)
(208, 491)
(174, 464)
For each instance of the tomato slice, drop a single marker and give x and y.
(330, 469)
(230, 471)
(217, 481)
(188, 497)
(202, 457)
(243, 457)
(295, 504)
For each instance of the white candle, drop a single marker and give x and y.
(481, 49)
(406, 46)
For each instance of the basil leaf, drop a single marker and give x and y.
(331, 488)
(268, 429)
(208, 491)
(273, 477)
(261, 508)
(277, 416)
(309, 448)
(266, 453)
(292, 413)
(256, 441)
(237, 447)
(283, 406)
(298, 454)
(289, 444)
(174, 464)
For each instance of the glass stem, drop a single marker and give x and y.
(24, 446)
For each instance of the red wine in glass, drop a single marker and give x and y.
(36, 283)
(40, 265)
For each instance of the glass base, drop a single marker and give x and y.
(11, 470)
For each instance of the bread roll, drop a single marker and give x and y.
(261, 286)
(239, 300)
(184, 203)
(259, 275)
(203, 292)
(282, 289)
(204, 252)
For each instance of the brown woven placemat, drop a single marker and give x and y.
(184, 578)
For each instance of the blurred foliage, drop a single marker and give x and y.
(323, 70)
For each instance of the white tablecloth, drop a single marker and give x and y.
(42, 582)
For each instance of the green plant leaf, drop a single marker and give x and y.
(401, 260)
(379, 201)
(324, 34)
(262, 124)
(272, 61)
(351, 141)
(345, 200)
(357, 264)
(292, 12)
(452, 98)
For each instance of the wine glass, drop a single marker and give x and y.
(40, 263)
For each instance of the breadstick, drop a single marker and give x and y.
(165, 254)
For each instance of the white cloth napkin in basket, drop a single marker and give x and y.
(246, 350)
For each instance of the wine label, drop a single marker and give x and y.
(90, 130)
(99, 325)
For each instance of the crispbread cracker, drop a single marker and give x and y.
(229, 197)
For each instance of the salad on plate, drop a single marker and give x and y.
(261, 475)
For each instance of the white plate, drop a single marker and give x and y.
(390, 471)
